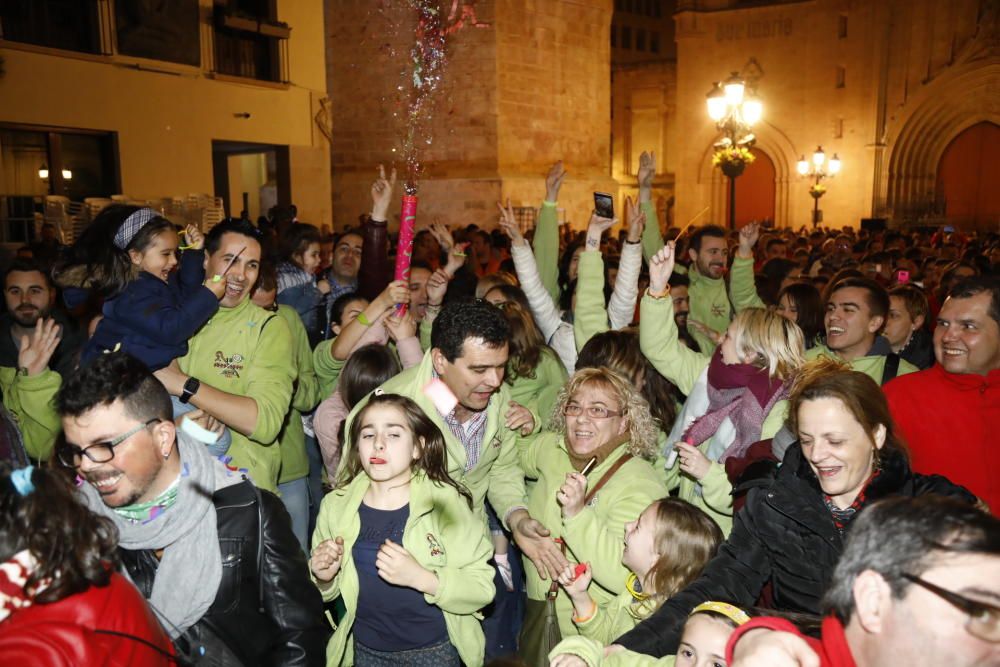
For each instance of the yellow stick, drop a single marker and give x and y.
(692, 221)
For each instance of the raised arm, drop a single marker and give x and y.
(621, 305)
(375, 269)
(590, 317)
(652, 240)
(742, 288)
(397, 292)
(547, 231)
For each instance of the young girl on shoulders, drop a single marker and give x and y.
(666, 549)
(399, 542)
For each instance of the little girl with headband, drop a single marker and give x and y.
(127, 257)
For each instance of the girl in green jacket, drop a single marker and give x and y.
(399, 542)
(666, 548)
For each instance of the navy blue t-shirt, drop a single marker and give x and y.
(390, 618)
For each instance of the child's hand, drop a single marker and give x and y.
(397, 566)
(323, 286)
(707, 331)
(576, 585)
(216, 287)
(326, 559)
(692, 461)
(519, 418)
(195, 239)
(400, 328)
(571, 494)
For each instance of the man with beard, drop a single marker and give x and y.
(708, 251)
(682, 307)
(29, 296)
(237, 368)
(215, 557)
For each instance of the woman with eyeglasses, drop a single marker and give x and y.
(735, 398)
(600, 444)
(791, 531)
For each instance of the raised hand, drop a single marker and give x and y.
(400, 328)
(636, 220)
(748, 239)
(382, 193)
(456, 259)
(195, 239)
(443, 236)
(571, 494)
(326, 559)
(553, 181)
(661, 265)
(509, 224)
(645, 174)
(596, 228)
(37, 350)
(437, 287)
(396, 292)
(707, 331)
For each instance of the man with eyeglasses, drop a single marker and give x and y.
(214, 555)
(918, 584)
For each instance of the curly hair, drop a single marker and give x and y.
(642, 429)
(461, 320)
(433, 459)
(111, 377)
(75, 548)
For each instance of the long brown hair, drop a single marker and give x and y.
(433, 458)
(527, 345)
(686, 539)
(863, 398)
(75, 548)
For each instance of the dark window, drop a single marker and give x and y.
(842, 27)
(169, 32)
(249, 41)
(619, 5)
(626, 37)
(654, 42)
(657, 9)
(61, 24)
(640, 40)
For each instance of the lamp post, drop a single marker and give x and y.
(819, 169)
(735, 109)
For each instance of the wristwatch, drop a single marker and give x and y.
(191, 388)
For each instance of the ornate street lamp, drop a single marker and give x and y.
(818, 169)
(735, 109)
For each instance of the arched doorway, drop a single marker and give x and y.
(755, 191)
(967, 175)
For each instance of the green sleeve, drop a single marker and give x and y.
(30, 400)
(270, 380)
(659, 342)
(742, 287)
(506, 490)
(465, 583)
(717, 492)
(590, 317)
(426, 325)
(609, 622)
(327, 368)
(774, 420)
(546, 248)
(529, 449)
(598, 540)
(652, 240)
(326, 523)
(307, 385)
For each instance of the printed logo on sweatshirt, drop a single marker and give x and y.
(435, 546)
(718, 309)
(228, 367)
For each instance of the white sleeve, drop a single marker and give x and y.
(542, 307)
(563, 344)
(621, 305)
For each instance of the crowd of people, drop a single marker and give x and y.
(620, 446)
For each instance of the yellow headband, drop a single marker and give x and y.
(735, 614)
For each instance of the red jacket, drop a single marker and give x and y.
(77, 631)
(951, 424)
(832, 649)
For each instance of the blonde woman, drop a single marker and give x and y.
(600, 417)
(735, 397)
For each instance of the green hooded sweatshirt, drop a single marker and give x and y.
(30, 401)
(245, 350)
(292, 439)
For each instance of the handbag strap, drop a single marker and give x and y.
(622, 460)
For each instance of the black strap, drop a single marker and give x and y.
(891, 368)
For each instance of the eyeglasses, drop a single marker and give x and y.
(100, 452)
(593, 411)
(984, 619)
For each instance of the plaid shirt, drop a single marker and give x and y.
(469, 434)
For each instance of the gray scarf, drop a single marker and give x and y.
(190, 570)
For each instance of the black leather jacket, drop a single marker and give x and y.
(266, 610)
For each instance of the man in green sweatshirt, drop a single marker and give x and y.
(238, 369)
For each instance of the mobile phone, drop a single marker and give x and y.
(604, 205)
(902, 277)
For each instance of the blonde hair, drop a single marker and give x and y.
(686, 539)
(486, 283)
(770, 340)
(635, 410)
